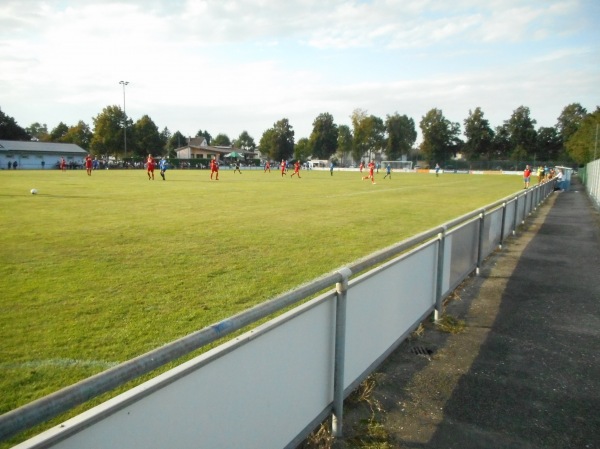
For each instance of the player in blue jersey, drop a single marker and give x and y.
(163, 165)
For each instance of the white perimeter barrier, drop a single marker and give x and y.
(592, 183)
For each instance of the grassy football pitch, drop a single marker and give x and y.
(98, 269)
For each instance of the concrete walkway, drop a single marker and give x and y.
(525, 372)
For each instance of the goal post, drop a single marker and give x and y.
(398, 165)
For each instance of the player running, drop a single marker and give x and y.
(388, 171)
(163, 165)
(150, 167)
(296, 170)
(267, 167)
(371, 176)
(88, 165)
(283, 167)
(214, 168)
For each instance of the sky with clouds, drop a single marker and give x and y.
(232, 65)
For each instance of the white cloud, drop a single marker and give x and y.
(229, 66)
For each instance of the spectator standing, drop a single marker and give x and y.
(526, 176)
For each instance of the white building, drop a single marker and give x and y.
(39, 155)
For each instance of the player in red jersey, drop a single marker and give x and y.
(267, 167)
(88, 165)
(361, 166)
(214, 168)
(283, 167)
(150, 167)
(371, 175)
(296, 170)
(63, 164)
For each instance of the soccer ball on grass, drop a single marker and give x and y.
(34, 191)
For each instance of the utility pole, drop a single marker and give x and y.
(124, 83)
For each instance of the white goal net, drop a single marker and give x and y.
(398, 165)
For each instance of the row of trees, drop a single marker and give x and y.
(573, 137)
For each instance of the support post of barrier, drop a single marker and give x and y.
(525, 214)
(440, 274)
(515, 219)
(503, 224)
(480, 242)
(340, 353)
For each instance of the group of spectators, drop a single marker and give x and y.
(544, 174)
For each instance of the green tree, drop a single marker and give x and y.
(10, 130)
(108, 132)
(302, 149)
(146, 138)
(278, 142)
(549, 144)
(583, 145)
(38, 131)
(58, 133)
(570, 120)
(501, 145)
(479, 136)
(221, 140)
(79, 134)
(323, 138)
(377, 136)
(245, 142)
(368, 134)
(165, 136)
(401, 135)
(523, 136)
(177, 140)
(440, 137)
(204, 134)
(344, 143)
(359, 133)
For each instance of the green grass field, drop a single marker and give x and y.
(98, 269)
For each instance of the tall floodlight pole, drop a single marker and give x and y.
(124, 83)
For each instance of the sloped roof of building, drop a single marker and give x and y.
(210, 149)
(41, 147)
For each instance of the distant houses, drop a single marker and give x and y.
(38, 155)
(34, 155)
(198, 148)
